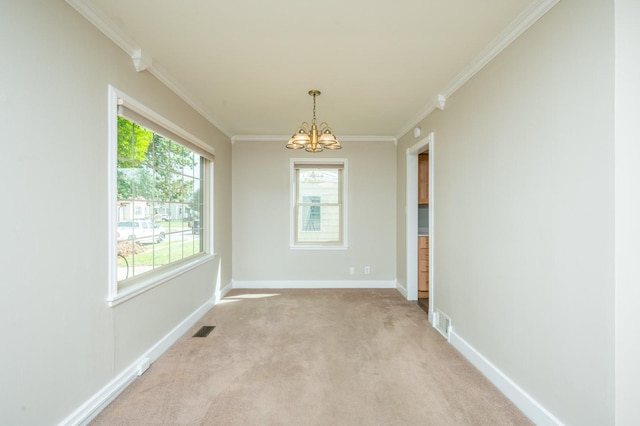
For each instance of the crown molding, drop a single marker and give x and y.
(141, 61)
(518, 26)
(165, 78)
(100, 21)
(285, 138)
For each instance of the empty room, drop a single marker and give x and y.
(399, 213)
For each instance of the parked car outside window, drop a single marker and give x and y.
(141, 231)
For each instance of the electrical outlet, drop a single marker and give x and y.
(352, 270)
(367, 270)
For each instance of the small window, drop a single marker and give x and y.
(318, 203)
(161, 212)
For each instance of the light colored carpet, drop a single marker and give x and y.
(312, 357)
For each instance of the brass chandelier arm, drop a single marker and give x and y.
(324, 126)
(304, 126)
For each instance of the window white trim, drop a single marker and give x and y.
(292, 202)
(112, 194)
(161, 275)
(118, 98)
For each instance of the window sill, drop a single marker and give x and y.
(156, 278)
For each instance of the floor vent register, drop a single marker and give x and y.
(204, 331)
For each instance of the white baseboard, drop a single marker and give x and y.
(303, 284)
(98, 402)
(529, 406)
(220, 294)
(402, 289)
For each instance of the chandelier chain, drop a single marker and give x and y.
(314, 109)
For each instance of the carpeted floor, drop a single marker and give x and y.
(312, 357)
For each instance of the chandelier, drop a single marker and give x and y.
(314, 138)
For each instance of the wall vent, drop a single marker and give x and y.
(442, 323)
(204, 331)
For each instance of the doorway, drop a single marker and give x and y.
(426, 145)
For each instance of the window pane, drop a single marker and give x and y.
(197, 172)
(159, 201)
(311, 216)
(325, 229)
(319, 182)
(318, 207)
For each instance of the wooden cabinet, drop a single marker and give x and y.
(423, 267)
(423, 241)
(423, 179)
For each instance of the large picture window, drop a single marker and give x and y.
(161, 208)
(318, 203)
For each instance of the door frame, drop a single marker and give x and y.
(411, 211)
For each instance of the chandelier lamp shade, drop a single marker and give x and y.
(313, 138)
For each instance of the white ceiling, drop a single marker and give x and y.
(247, 65)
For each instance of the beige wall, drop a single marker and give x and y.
(261, 190)
(524, 211)
(627, 212)
(61, 342)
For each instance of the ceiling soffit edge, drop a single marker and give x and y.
(518, 26)
(172, 83)
(97, 18)
(284, 138)
(122, 40)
